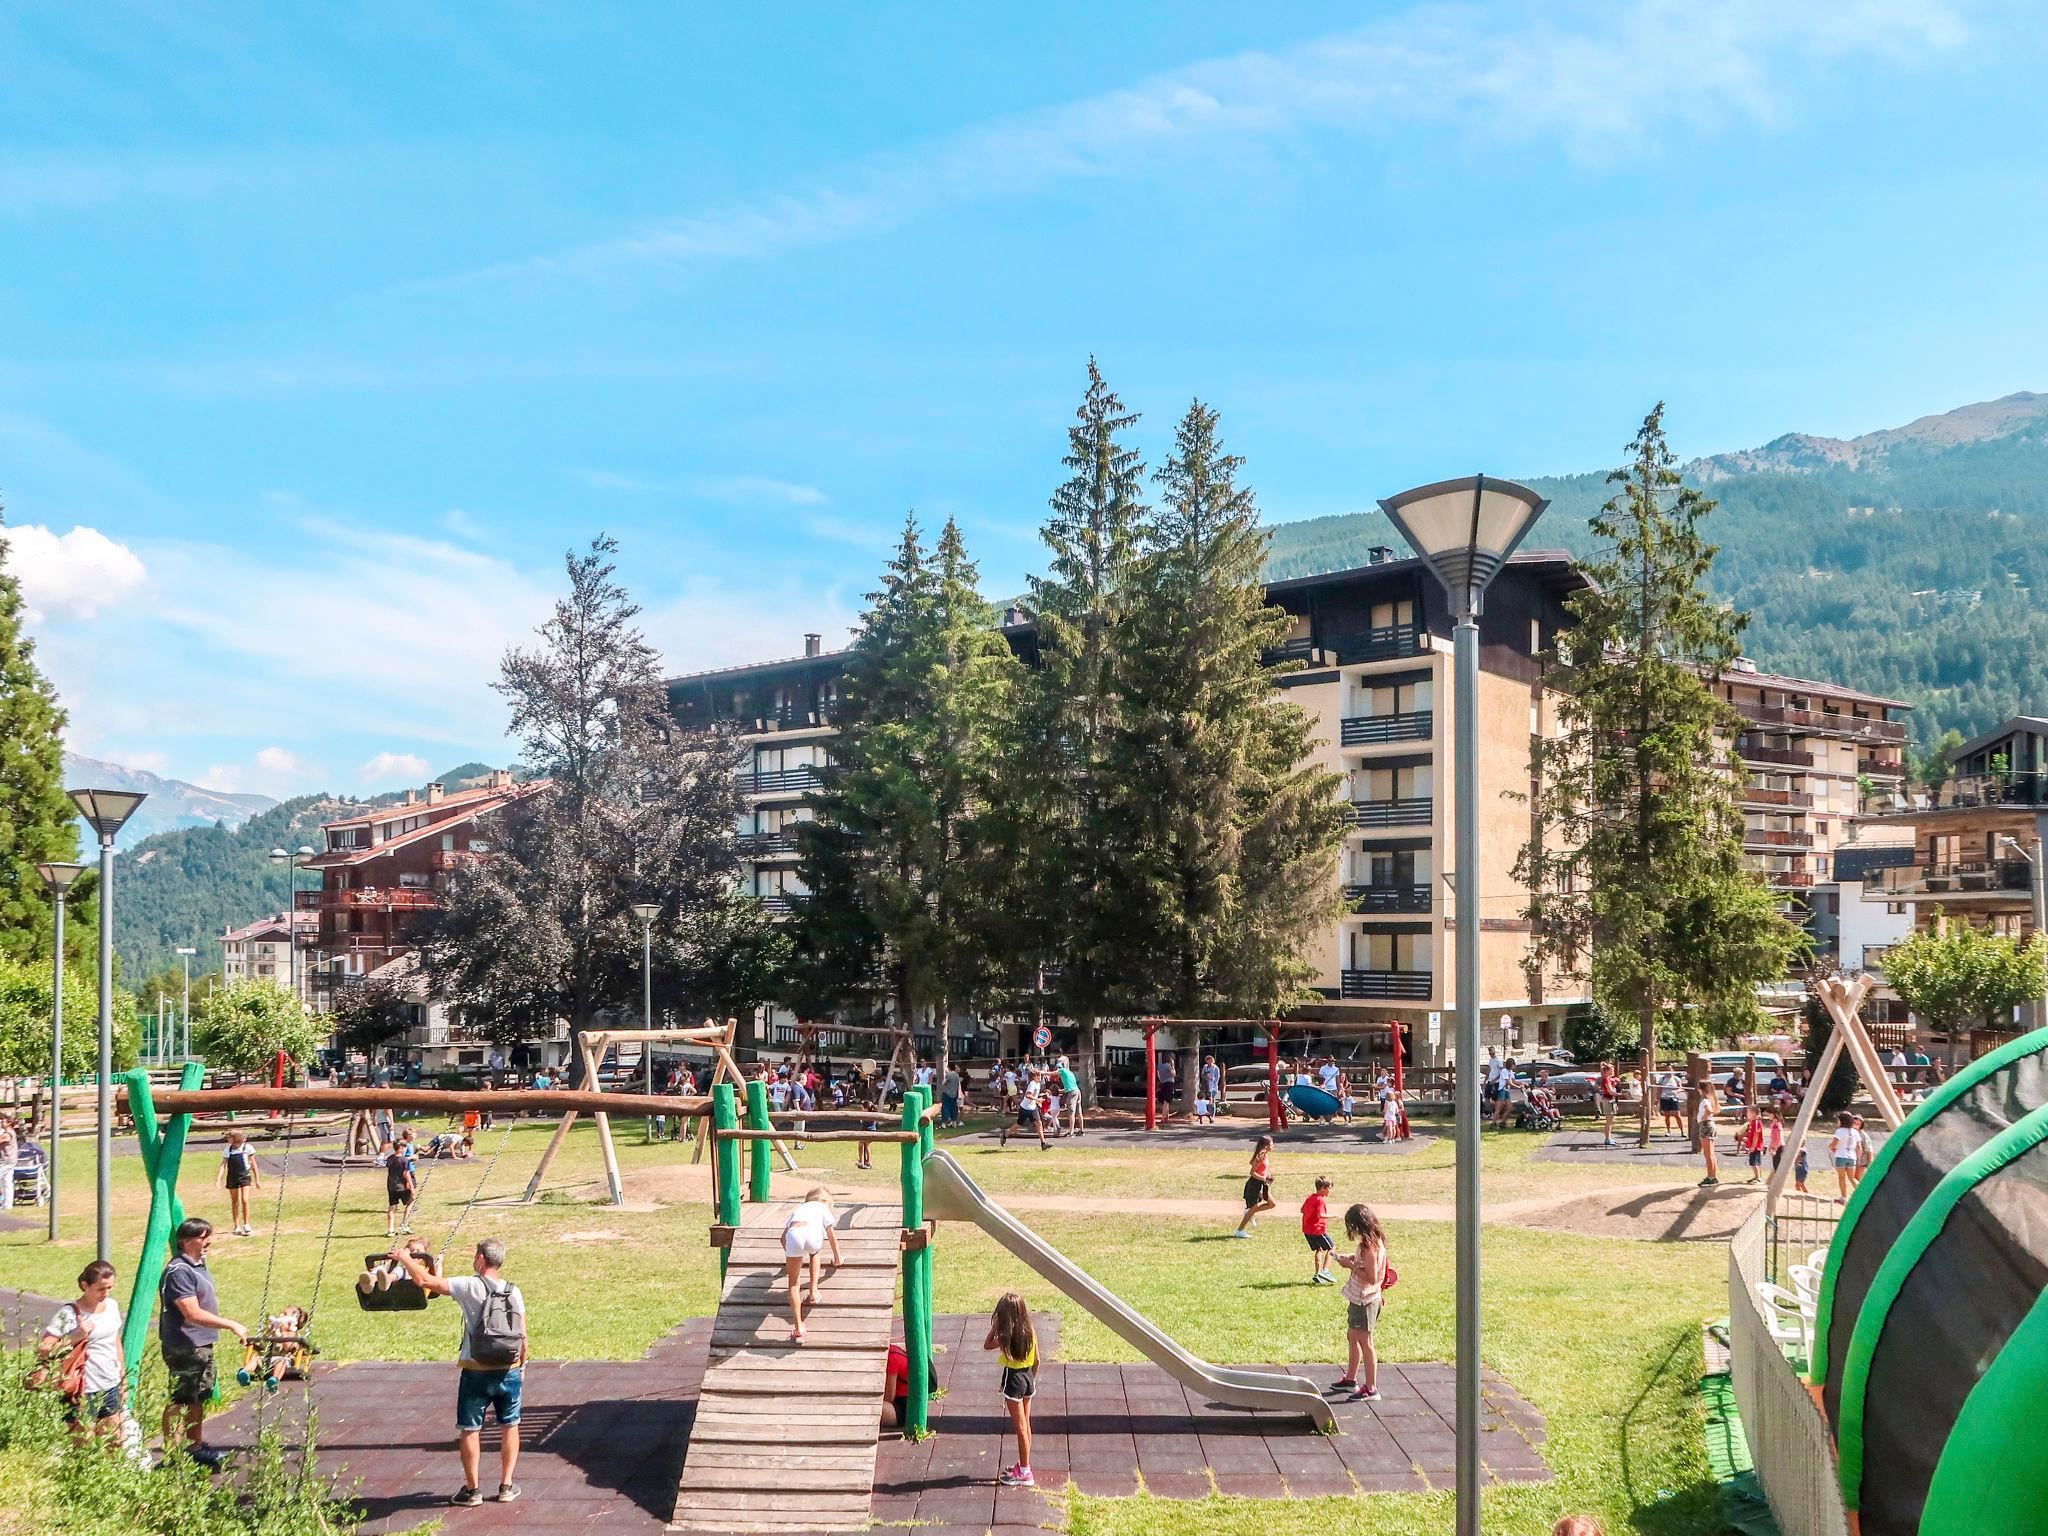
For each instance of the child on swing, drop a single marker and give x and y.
(378, 1276)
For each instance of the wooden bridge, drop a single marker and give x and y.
(785, 1433)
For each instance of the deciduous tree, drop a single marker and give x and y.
(1961, 974)
(244, 1024)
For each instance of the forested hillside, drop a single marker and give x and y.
(1905, 562)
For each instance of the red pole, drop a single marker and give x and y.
(277, 1078)
(1151, 1078)
(1273, 1118)
(1400, 1102)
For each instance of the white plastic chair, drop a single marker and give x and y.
(1819, 1260)
(1789, 1316)
(1806, 1281)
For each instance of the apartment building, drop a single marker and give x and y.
(263, 949)
(1374, 644)
(1813, 753)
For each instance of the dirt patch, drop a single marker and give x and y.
(601, 1235)
(1689, 1215)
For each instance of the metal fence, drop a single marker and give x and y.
(1800, 1224)
(1788, 1438)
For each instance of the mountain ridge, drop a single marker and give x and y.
(172, 803)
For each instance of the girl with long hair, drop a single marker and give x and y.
(1011, 1335)
(1367, 1263)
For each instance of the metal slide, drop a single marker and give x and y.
(950, 1195)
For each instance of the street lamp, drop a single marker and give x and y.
(185, 953)
(1464, 530)
(291, 861)
(647, 912)
(2039, 882)
(57, 880)
(106, 811)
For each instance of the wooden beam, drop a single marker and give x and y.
(549, 1101)
(748, 1133)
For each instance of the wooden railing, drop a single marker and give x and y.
(1388, 898)
(1411, 985)
(1389, 642)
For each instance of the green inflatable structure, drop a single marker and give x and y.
(1931, 1343)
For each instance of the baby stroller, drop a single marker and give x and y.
(1540, 1112)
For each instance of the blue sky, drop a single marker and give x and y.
(325, 330)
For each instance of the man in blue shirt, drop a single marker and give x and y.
(187, 1326)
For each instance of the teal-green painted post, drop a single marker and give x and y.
(757, 1151)
(926, 1097)
(725, 1163)
(166, 1210)
(917, 1332)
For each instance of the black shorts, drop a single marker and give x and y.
(239, 1180)
(1017, 1384)
(191, 1373)
(396, 1194)
(1318, 1242)
(91, 1407)
(1257, 1191)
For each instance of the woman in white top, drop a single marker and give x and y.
(95, 1316)
(811, 1228)
(1844, 1147)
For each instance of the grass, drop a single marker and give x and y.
(1600, 1334)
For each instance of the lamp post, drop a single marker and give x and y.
(57, 880)
(291, 861)
(185, 953)
(1464, 530)
(2038, 881)
(106, 811)
(647, 912)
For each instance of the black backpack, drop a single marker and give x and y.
(500, 1330)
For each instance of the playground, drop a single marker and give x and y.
(1595, 1340)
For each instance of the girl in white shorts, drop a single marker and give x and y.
(811, 1228)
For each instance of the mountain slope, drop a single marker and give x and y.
(172, 803)
(1902, 561)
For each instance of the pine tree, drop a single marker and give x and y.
(1230, 833)
(38, 823)
(1081, 607)
(1636, 874)
(902, 873)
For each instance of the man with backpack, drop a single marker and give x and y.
(492, 1359)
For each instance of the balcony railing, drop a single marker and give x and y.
(1822, 720)
(1301, 650)
(1752, 753)
(1389, 642)
(778, 781)
(1751, 795)
(1388, 898)
(1412, 985)
(777, 906)
(1374, 730)
(1410, 811)
(761, 845)
(1997, 789)
(1881, 767)
(1958, 878)
(794, 718)
(1760, 837)
(1788, 879)
(367, 896)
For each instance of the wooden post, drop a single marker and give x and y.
(1151, 1076)
(548, 1156)
(725, 1164)
(1749, 1081)
(604, 1125)
(1273, 1121)
(917, 1337)
(757, 1151)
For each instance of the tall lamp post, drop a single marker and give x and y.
(647, 912)
(291, 860)
(106, 811)
(57, 880)
(1464, 530)
(185, 954)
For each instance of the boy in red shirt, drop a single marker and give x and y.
(1315, 1228)
(1753, 1145)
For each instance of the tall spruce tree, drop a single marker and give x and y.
(904, 875)
(1070, 794)
(1229, 833)
(38, 823)
(1635, 873)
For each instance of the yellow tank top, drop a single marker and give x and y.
(1025, 1364)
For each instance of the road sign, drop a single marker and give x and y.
(1436, 1029)
(1041, 1037)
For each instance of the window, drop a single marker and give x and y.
(1895, 909)
(1535, 636)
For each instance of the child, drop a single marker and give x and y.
(1799, 1169)
(1777, 1139)
(810, 1228)
(239, 1173)
(1577, 1525)
(1049, 1110)
(1752, 1143)
(1362, 1293)
(378, 1276)
(1707, 1131)
(1258, 1188)
(1345, 1103)
(1010, 1335)
(1842, 1148)
(1205, 1110)
(400, 1190)
(1315, 1229)
(1390, 1114)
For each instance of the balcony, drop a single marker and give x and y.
(1388, 898)
(776, 906)
(452, 858)
(1881, 767)
(1873, 957)
(1788, 797)
(1833, 722)
(1411, 811)
(1966, 877)
(389, 897)
(1390, 642)
(1299, 651)
(1788, 879)
(780, 781)
(1758, 837)
(793, 718)
(1994, 789)
(1377, 730)
(1413, 986)
(1778, 755)
(766, 845)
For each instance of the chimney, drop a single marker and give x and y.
(1379, 554)
(811, 644)
(434, 793)
(412, 797)
(1012, 615)
(501, 778)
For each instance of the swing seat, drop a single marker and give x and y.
(403, 1295)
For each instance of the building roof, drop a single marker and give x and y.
(2030, 723)
(1762, 679)
(458, 797)
(263, 927)
(473, 804)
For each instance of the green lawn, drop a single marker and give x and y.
(1600, 1334)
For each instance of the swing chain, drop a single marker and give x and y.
(482, 1179)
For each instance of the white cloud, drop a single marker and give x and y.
(274, 771)
(1600, 80)
(72, 575)
(405, 767)
(738, 490)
